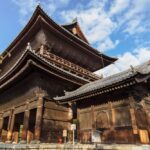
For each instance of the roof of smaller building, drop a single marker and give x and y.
(142, 69)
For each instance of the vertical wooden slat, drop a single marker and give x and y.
(133, 119)
(10, 124)
(39, 114)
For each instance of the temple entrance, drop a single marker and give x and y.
(5, 129)
(18, 127)
(31, 129)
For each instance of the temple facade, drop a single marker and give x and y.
(44, 61)
(47, 83)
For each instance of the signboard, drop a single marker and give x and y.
(96, 137)
(73, 126)
(64, 133)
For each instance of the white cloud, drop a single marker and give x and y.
(134, 18)
(96, 24)
(118, 6)
(108, 44)
(26, 8)
(124, 62)
(99, 19)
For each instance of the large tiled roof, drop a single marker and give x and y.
(105, 82)
(40, 57)
(41, 19)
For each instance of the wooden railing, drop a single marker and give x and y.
(69, 66)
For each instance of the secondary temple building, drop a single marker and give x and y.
(47, 83)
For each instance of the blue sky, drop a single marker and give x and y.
(119, 28)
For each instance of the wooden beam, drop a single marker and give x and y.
(39, 115)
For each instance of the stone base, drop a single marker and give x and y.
(8, 142)
(23, 142)
(35, 142)
(76, 146)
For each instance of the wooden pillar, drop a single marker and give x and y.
(146, 115)
(78, 129)
(93, 118)
(133, 119)
(26, 122)
(39, 115)
(1, 124)
(112, 123)
(10, 124)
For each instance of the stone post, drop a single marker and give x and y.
(39, 115)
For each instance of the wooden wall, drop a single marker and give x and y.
(56, 118)
(125, 120)
(19, 92)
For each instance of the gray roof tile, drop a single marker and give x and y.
(101, 83)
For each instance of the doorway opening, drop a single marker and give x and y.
(5, 129)
(18, 127)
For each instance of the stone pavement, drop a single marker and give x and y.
(70, 147)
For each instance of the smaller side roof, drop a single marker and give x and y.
(75, 29)
(142, 69)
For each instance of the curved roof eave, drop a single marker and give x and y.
(142, 69)
(62, 31)
(73, 78)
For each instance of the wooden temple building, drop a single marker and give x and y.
(47, 83)
(118, 107)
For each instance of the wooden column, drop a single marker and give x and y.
(1, 124)
(26, 122)
(10, 124)
(112, 122)
(78, 130)
(112, 115)
(147, 117)
(39, 115)
(93, 118)
(133, 119)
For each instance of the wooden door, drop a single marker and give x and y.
(144, 136)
